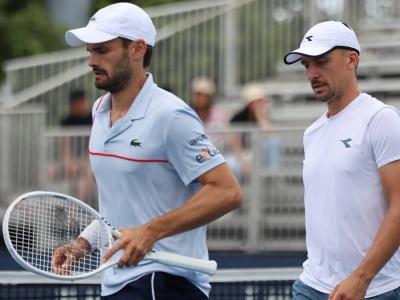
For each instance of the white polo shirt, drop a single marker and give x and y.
(146, 165)
(344, 199)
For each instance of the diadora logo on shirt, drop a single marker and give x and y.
(346, 142)
(206, 153)
(136, 143)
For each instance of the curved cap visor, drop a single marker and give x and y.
(87, 35)
(314, 51)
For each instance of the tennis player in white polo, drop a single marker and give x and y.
(351, 177)
(159, 177)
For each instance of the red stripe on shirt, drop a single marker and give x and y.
(128, 158)
(118, 156)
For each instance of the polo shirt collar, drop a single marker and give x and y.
(139, 107)
(143, 99)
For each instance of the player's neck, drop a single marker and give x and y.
(122, 101)
(337, 105)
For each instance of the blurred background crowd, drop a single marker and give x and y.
(225, 59)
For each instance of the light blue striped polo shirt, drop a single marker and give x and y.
(146, 165)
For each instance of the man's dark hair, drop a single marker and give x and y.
(75, 95)
(147, 56)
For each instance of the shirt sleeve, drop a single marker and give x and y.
(385, 136)
(189, 148)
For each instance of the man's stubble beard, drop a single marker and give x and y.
(326, 99)
(332, 95)
(122, 75)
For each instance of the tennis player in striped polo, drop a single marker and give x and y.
(351, 177)
(159, 177)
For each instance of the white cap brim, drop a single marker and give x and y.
(314, 51)
(87, 35)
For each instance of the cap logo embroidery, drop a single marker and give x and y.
(308, 38)
(348, 26)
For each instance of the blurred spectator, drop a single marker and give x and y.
(203, 91)
(202, 101)
(79, 110)
(75, 166)
(255, 112)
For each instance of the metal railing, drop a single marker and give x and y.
(268, 168)
(231, 41)
(272, 216)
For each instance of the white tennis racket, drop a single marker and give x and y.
(38, 223)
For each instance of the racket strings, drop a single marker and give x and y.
(40, 225)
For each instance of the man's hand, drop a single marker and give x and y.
(136, 242)
(352, 288)
(65, 256)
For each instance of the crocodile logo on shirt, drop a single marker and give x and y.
(136, 143)
(346, 142)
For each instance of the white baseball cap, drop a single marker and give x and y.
(253, 91)
(203, 85)
(123, 19)
(323, 38)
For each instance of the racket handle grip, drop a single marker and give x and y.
(175, 260)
